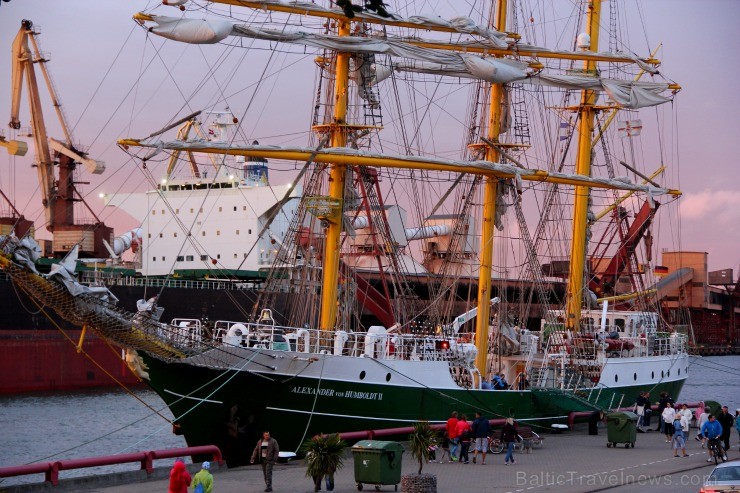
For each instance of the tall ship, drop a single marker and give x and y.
(338, 338)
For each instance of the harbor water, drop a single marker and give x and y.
(56, 426)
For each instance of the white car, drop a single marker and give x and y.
(724, 477)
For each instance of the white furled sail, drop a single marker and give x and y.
(194, 31)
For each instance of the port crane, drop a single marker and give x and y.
(59, 190)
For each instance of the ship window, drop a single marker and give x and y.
(201, 210)
(669, 373)
(218, 232)
(191, 210)
(634, 377)
(218, 256)
(244, 208)
(161, 235)
(237, 231)
(180, 258)
(619, 322)
(220, 209)
(652, 375)
(679, 371)
(154, 213)
(245, 255)
(204, 257)
(177, 211)
(163, 212)
(174, 234)
(189, 258)
(162, 259)
(662, 375)
(234, 208)
(387, 377)
(154, 259)
(616, 378)
(234, 255)
(249, 231)
(362, 375)
(149, 235)
(203, 233)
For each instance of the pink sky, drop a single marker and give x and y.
(700, 46)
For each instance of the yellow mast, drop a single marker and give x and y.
(581, 195)
(490, 189)
(337, 173)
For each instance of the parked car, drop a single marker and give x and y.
(724, 477)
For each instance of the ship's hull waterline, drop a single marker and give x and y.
(291, 395)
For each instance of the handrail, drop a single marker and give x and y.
(51, 469)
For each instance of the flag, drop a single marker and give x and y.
(564, 131)
(660, 269)
(630, 128)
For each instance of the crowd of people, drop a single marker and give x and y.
(675, 422)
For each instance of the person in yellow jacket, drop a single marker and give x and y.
(203, 479)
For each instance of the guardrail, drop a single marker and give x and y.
(51, 470)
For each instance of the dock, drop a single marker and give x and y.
(572, 461)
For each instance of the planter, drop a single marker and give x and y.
(419, 483)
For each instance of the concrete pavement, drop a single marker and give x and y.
(573, 461)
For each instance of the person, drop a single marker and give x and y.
(669, 416)
(648, 412)
(504, 384)
(679, 440)
(593, 422)
(685, 416)
(698, 412)
(464, 432)
(179, 478)
(432, 453)
(445, 449)
(522, 381)
(726, 420)
(452, 435)
(267, 451)
(510, 436)
(203, 478)
(496, 382)
(641, 405)
(481, 432)
(703, 418)
(712, 431)
(664, 399)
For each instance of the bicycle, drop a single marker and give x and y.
(715, 447)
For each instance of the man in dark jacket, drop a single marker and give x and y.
(267, 451)
(726, 420)
(481, 432)
(642, 405)
(664, 399)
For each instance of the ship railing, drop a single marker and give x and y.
(118, 279)
(370, 344)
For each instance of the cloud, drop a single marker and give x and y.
(720, 206)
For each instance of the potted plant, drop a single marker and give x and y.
(421, 441)
(323, 458)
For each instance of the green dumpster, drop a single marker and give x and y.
(712, 407)
(377, 463)
(621, 427)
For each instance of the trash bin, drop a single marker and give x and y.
(621, 427)
(377, 463)
(712, 407)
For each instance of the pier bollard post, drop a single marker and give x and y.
(52, 474)
(147, 463)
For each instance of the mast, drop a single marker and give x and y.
(581, 194)
(490, 193)
(337, 174)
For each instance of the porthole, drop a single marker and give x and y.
(652, 375)
(387, 377)
(669, 373)
(362, 375)
(616, 378)
(662, 375)
(635, 376)
(679, 372)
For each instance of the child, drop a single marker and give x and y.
(433, 453)
(445, 450)
(679, 440)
